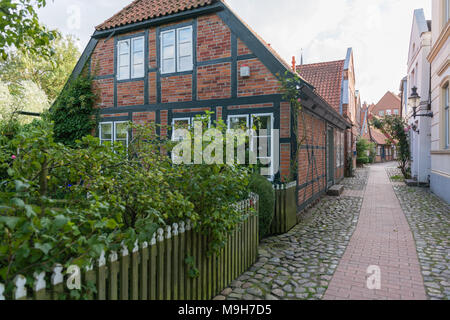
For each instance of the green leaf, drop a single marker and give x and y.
(11, 222)
(60, 221)
(45, 248)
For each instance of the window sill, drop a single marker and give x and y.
(131, 80)
(174, 74)
(441, 152)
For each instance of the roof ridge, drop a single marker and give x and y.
(320, 63)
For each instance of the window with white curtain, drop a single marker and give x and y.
(130, 58)
(177, 50)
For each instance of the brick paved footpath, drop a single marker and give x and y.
(382, 238)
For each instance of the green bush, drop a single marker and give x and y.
(73, 113)
(362, 147)
(261, 186)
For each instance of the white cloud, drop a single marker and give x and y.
(377, 30)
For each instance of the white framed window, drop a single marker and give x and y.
(264, 122)
(130, 58)
(261, 121)
(381, 113)
(396, 112)
(180, 123)
(388, 112)
(238, 122)
(177, 50)
(114, 133)
(447, 117)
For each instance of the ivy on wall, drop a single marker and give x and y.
(73, 114)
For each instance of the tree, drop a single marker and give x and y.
(363, 149)
(27, 97)
(50, 74)
(395, 127)
(21, 29)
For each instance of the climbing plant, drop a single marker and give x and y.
(396, 128)
(73, 114)
(289, 86)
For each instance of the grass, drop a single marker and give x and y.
(397, 178)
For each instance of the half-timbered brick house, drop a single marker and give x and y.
(168, 61)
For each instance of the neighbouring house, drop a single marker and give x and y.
(404, 94)
(335, 82)
(439, 57)
(389, 105)
(166, 61)
(385, 150)
(419, 77)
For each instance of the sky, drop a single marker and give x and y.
(377, 30)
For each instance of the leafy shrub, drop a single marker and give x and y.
(73, 113)
(261, 186)
(362, 148)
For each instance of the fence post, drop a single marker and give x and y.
(20, 291)
(181, 264)
(188, 279)
(168, 265)
(175, 262)
(101, 277)
(57, 280)
(153, 278)
(2, 291)
(160, 266)
(90, 278)
(135, 272)
(144, 272)
(39, 286)
(124, 276)
(113, 276)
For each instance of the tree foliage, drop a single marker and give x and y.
(261, 186)
(49, 73)
(21, 29)
(396, 128)
(363, 150)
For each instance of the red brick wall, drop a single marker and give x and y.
(176, 89)
(152, 95)
(251, 106)
(105, 93)
(164, 122)
(214, 81)
(130, 93)
(152, 48)
(242, 48)
(143, 117)
(102, 63)
(285, 120)
(260, 82)
(311, 163)
(219, 111)
(213, 38)
(285, 161)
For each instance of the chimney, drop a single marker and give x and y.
(294, 64)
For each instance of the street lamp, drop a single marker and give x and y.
(414, 102)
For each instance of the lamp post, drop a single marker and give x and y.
(414, 103)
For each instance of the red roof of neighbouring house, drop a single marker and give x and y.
(326, 77)
(140, 10)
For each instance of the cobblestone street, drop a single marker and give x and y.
(429, 219)
(301, 263)
(326, 256)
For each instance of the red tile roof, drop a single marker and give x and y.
(140, 10)
(326, 77)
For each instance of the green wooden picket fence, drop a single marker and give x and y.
(285, 217)
(158, 270)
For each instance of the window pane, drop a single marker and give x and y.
(168, 38)
(185, 49)
(121, 131)
(169, 52)
(185, 35)
(138, 45)
(124, 60)
(138, 58)
(168, 65)
(138, 70)
(124, 47)
(124, 72)
(106, 131)
(238, 123)
(185, 64)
